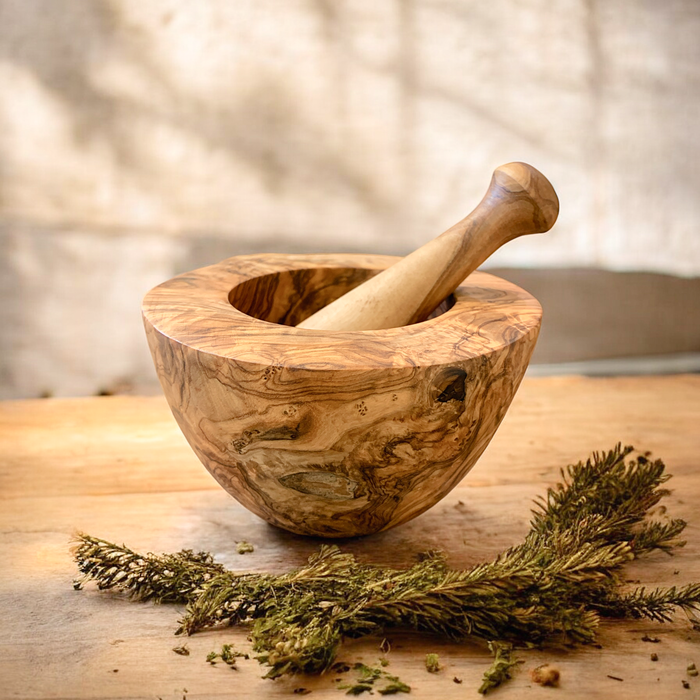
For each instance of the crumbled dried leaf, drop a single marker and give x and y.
(546, 675)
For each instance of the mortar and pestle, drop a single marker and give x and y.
(341, 395)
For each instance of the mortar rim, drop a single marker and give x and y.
(169, 311)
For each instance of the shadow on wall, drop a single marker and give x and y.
(260, 127)
(170, 123)
(75, 262)
(140, 140)
(114, 136)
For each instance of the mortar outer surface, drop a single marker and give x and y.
(334, 434)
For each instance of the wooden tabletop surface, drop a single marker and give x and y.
(118, 468)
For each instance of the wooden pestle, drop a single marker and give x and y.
(520, 200)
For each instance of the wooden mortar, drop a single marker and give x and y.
(334, 434)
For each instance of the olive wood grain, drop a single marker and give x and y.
(519, 201)
(334, 434)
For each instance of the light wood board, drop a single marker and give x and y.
(118, 467)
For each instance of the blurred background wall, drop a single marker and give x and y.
(139, 139)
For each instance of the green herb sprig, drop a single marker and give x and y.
(555, 585)
(500, 670)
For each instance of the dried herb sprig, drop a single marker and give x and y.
(559, 581)
(166, 578)
(500, 670)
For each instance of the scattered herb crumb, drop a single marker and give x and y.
(394, 686)
(457, 680)
(654, 657)
(368, 674)
(692, 671)
(368, 677)
(340, 667)
(244, 547)
(357, 688)
(182, 650)
(384, 662)
(653, 640)
(686, 685)
(432, 663)
(546, 675)
(616, 678)
(227, 654)
(301, 691)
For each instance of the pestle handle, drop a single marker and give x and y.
(519, 201)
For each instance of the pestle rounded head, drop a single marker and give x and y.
(521, 177)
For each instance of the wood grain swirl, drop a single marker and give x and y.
(334, 433)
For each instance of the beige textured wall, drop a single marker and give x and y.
(139, 137)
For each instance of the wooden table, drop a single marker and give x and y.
(119, 468)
